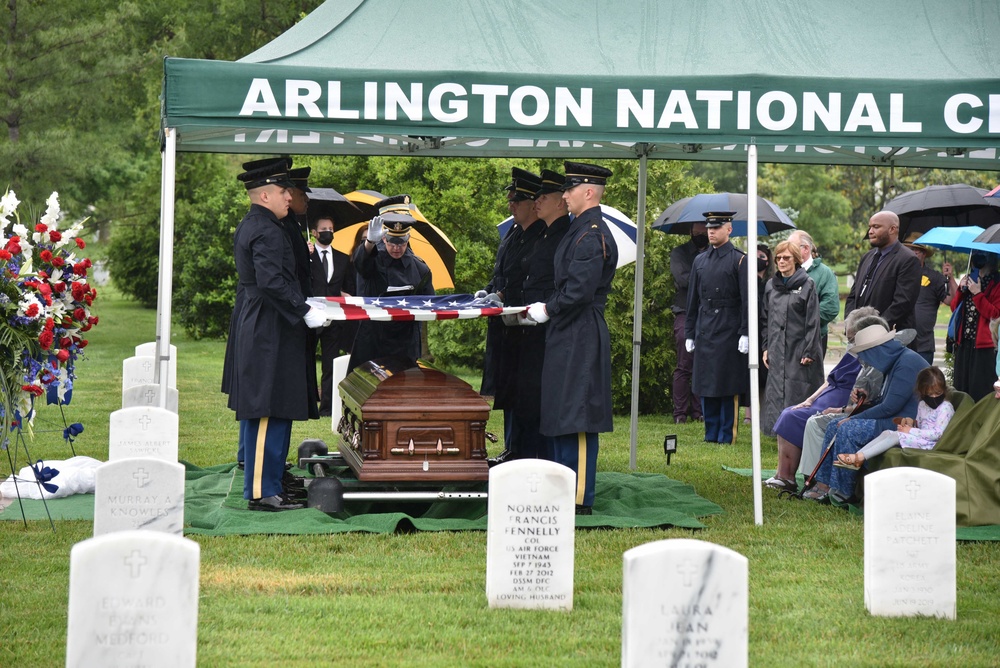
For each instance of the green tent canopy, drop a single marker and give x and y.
(866, 83)
(853, 82)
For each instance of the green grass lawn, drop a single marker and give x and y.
(419, 599)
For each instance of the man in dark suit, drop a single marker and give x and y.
(888, 277)
(332, 276)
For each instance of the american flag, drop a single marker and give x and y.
(410, 307)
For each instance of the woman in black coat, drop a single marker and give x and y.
(790, 336)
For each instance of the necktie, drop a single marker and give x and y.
(326, 264)
(871, 273)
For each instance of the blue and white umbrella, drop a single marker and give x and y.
(679, 216)
(621, 226)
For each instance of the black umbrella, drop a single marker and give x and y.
(329, 202)
(990, 235)
(957, 205)
(679, 216)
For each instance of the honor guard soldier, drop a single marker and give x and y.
(716, 328)
(266, 372)
(387, 267)
(507, 283)
(576, 373)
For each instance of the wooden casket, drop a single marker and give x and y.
(411, 423)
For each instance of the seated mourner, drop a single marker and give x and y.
(877, 347)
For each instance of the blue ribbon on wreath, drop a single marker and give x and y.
(43, 474)
(72, 431)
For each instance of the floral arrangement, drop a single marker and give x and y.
(45, 302)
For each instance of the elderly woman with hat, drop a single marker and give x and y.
(875, 346)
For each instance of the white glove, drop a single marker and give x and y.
(524, 321)
(315, 318)
(744, 345)
(689, 345)
(538, 313)
(375, 230)
(480, 294)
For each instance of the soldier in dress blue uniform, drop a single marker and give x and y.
(576, 373)
(503, 341)
(386, 267)
(266, 360)
(716, 328)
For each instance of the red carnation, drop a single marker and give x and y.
(86, 328)
(49, 323)
(83, 343)
(80, 243)
(45, 339)
(87, 263)
(62, 355)
(88, 300)
(40, 227)
(79, 314)
(79, 269)
(78, 291)
(5, 254)
(31, 311)
(59, 286)
(55, 235)
(65, 342)
(43, 274)
(58, 261)
(93, 292)
(46, 255)
(92, 319)
(32, 389)
(13, 247)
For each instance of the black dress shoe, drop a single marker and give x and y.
(584, 510)
(273, 503)
(505, 456)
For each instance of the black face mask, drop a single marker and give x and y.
(932, 402)
(700, 241)
(978, 261)
(325, 237)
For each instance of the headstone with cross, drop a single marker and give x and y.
(139, 493)
(149, 350)
(684, 603)
(140, 431)
(530, 535)
(133, 601)
(140, 370)
(148, 395)
(910, 557)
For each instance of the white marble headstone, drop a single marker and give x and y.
(148, 395)
(530, 535)
(149, 350)
(143, 432)
(685, 603)
(140, 493)
(133, 601)
(910, 543)
(140, 370)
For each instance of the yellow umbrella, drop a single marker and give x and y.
(427, 240)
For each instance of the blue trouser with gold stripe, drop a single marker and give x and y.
(720, 415)
(579, 452)
(265, 443)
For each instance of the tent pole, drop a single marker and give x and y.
(164, 303)
(752, 301)
(640, 240)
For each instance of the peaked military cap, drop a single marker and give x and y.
(578, 173)
(552, 182)
(394, 204)
(397, 226)
(718, 218)
(300, 178)
(269, 171)
(523, 184)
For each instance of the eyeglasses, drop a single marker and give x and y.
(779, 258)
